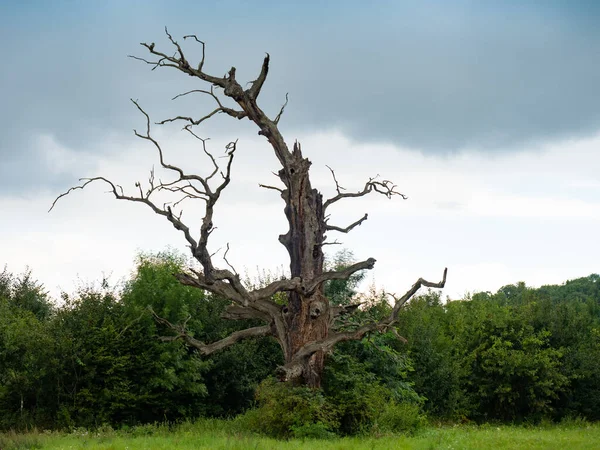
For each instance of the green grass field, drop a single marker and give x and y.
(215, 434)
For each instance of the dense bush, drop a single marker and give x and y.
(520, 354)
(289, 411)
(405, 418)
(107, 347)
(96, 359)
(285, 411)
(362, 377)
(232, 375)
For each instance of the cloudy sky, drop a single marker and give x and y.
(485, 113)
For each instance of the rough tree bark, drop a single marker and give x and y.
(306, 326)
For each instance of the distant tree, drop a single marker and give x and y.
(26, 362)
(113, 369)
(25, 293)
(431, 345)
(510, 369)
(305, 325)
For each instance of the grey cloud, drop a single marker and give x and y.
(437, 80)
(442, 93)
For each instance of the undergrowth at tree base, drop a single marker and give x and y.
(286, 411)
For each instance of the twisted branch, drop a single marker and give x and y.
(207, 349)
(384, 187)
(349, 227)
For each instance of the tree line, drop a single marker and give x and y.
(99, 356)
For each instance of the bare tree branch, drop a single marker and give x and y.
(257, 85)
(271, 187)
(220, 108)
(399, 302)
(237, 312)
(338, 188)
(336, 242)
(199, 91)
(207, 349)
(225, 259)
(181, 62)
(142, 199)
(222, 282)
(276, 121)
(349, 227)
(159, 63)
(336, 311)
(246, 99)
(344, 274)
(206, 152)
(285, 285)
(74, 188)
(384, 187)
(228, 111)
(219, 281)
(201, 63)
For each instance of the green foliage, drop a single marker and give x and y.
(97, 360)
(584, 371)
(341, 292)
(230, 376)
(514, 373)
(27, 352)
(365, 390)
(236, 372)
(107, 346)
(356, 393)
(358, 407)
(362, 376)
(25, 293)
(317, 430)
(430, 346)
(403, 418)
(286, 411)
(519, 355)
(363, 381)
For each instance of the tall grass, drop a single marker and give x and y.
(226, 434)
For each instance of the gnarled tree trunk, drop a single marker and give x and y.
(306, 316)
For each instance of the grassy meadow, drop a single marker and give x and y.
(220, 434)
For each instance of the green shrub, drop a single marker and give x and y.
(403, 418)
(357, 392)
(285, 411)
(317, 430)
(359, 407)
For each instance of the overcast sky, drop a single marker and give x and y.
(485, 113)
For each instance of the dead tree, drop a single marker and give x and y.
(305, 327)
